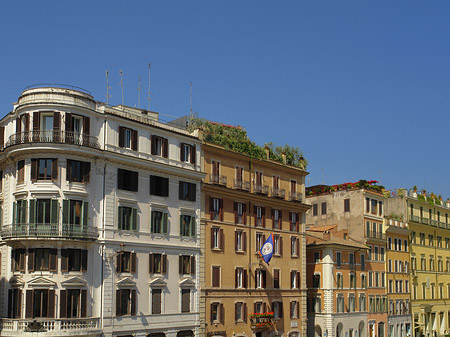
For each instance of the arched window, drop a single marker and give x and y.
(339, 330)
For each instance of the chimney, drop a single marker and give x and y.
(326, 235)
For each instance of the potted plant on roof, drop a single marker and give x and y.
(414, 192)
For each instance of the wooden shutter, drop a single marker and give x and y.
(180, 190)
(51, 304)
(33, 174)
(56, 121)
(182, 152)
(236, 317)
(211, 312)
(221, 209)
(133, 263)
(244, 241)
(186, 300)
(235, 277)
(36, 120)
(245, 277)
(222, 313)
(64, 260)
(65, 212)
(134, 219)
(165, 147)
(244, 213)
(298, 223)
(236, 240)
(54, 211)
(193, 225)
(27, 122)
(133, 302)
(276, 277)
(53, 260)
(235, 209)
(255, 307)
(121, 136)
(193, 265)
(150, 263)
(32, 212)
(84, 260)
(156, 301)
(22, 253)
(31, 259)
(86, 126)
(180, 264)
(118, 303)
(18, 125)
(280, 219)
(245, 312)
(212, 238)
(297, 247)
(83, 302)
(86, 166)
(298, 309)
(263, 214)
(134, 140)
(11, 314)
(298, 280)
(2, 136)
(281, 245)
(291, 307)
(54, 169)
(164, 263)
(192, 191)
(221, 239)
(85, 214)
(165, 187)
(63, 303)
(153, 145)
(193, 154)
(29, 304)
(165, 222)
(290, 220)
(211, 208)
(134, 181)
(69, 127)
(69, 170)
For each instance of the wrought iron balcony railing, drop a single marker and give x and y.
(65, 231)
(278, 193)
(241, 185)
(51, 136)
(218, 179)
(296, 196)
(375, 235)
(261, 189)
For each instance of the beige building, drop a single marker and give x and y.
(244, 201)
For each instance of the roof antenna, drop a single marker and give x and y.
(121, 84)
(139, 92)
(322, 177)
(190, 98)
(107, 87)
(148, 97)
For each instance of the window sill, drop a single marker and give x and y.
(240, 251)
(215, 249)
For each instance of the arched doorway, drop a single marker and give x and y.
(185, 333)
(381, 329)
(361, 329)
(340, 330)
(317, 331)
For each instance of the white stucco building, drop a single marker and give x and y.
(100, 211)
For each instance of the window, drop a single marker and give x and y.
(240, 241)
(316, 281)
(439, 242)
(260, 239)
(40, 303)
(240, 312)
(363, 281)
(126, 262)
(339, 281)
(187, 153)
(159, 222)
(351, 260)
(294, 221)
(185, 300)
(260, 219)
(422, 239)
(338, 259)
(383, 279)
(362, 302)
(370, 279)
(216, 276)
(240, 216)
(340, 303)
(381, 253)
(389, 245)
(75, 212)
(315, 209)
(157, 263)
(187, 225)
(186, 264)
(351, 303)
(217, 313)
(260, 278)
(294, 309)
(74, 260)
(316, 257)
(390, 286)
(278, 245)
(346, 205)
(295, 249)
(217, 238)
(240, 278)
(127, 180)
(156, 301)
(367, 205)
(126, 302)
(43, 211)
(73, 303)
(187, 191)
(21, 171)
(42, 259)
(44, 169)
(127, 218)
(374, 207)
(317, 303)
(375, 255)
(19, 259)
(14, 303)
(377, 279)
(276, 219)
(216, 209)
(352, 280)
(277, 308)
(295, 279)
(77, 128)
(159, 186)
(324, 208)
(363, 262)
(160, 146)
(430, 240)
(276, 278)
(78, 171)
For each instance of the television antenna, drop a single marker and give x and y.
(107, 87)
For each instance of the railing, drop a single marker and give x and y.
(278, 193)
(425, 221)
(57, 85)
(50, 136)
(442, 224)
(65, 326)
(433, 223)
(414, 218)
(375, 235)
(241, 185)
(296, 196)
(218, 179)
(65, 231)
(261, 189)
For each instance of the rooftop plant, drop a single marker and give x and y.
(368, 185)
(235, 138)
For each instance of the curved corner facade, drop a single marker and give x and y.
(100, 220)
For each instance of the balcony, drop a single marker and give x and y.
(278, 193)
(414, 218)
(241, 185)
(56, 137)
(296, 196)
(261, 189)
(424, 221)
(48, 231)
(50, 326)
(218, 179)
(375, 235)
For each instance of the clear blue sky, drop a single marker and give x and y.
(363, 88)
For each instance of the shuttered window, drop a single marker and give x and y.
(126, 262)
(159, 146)
(216, 276)
(44, 169)
(128, 138)
(156, 301)
(187, 191)
(75, 212)
(159, 222)
(43, 211)
(127, 180)
(187, 153)
(186, 264)
(21, 171)
(125, 302)
(127, 218)
(185, 300)
(78, 171)
(40, 303)
(14, 303)
(188, 225)
(159, 186)
(74, 260)
(158, 263)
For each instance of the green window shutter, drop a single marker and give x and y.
(134, 219)
(54, 211)
(152, 222)
(192, 226)
(181, 225)
(65, 211)
(14, 220)
(120, 217)
(24, 211)
(165, 223)
(32, 215)
(85, 214)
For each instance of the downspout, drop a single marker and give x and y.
(103, 231)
